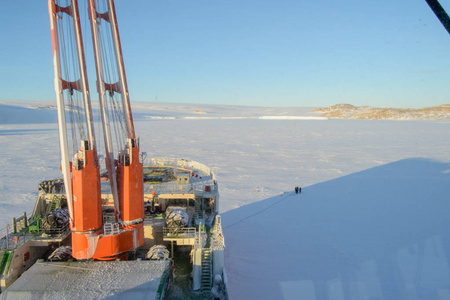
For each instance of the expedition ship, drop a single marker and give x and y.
(181, 203)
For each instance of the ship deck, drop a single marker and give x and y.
(140, 279)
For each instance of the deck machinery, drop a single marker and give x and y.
(34, 237)
(82, 175)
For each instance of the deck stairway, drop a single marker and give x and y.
(198, 208)
(56, 203)
(5, 261)
(206, 283)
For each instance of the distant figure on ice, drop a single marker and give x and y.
(296, 189)
(299, 189)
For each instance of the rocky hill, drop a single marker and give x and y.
(347, 111)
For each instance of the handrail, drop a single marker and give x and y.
(186, 232)
(10, 240)
(199, 188)
(173, 188)
(6, 230)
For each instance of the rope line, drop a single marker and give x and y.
(111, 76)
(77, 121)
(257, 213)
(70, 72)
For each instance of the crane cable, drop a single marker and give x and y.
(258, 212)
(71, 72)
(115, 108)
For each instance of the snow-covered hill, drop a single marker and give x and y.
(371, 222)
(347, 111)
(26, 112)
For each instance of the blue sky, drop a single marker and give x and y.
(259, 53)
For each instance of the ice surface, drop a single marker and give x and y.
(370, 222)
(382, 233)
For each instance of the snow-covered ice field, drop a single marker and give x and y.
(372, 221)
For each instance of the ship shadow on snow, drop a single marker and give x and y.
(382, 233)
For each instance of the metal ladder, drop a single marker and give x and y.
(198, 208)
(206, 283)
(56, 203)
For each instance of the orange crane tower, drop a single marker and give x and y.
(129, 174)
(90, 239)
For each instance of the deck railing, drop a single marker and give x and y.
(181, 233)
(199, 189)
(10, 239)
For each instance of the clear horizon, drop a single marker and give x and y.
(258, 53)
(94, 101)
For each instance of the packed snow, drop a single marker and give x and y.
(371, 221)
(89, 280)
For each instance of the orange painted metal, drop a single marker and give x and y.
(87, 204)
(89, 241)
(106, 247)
(130, 184)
